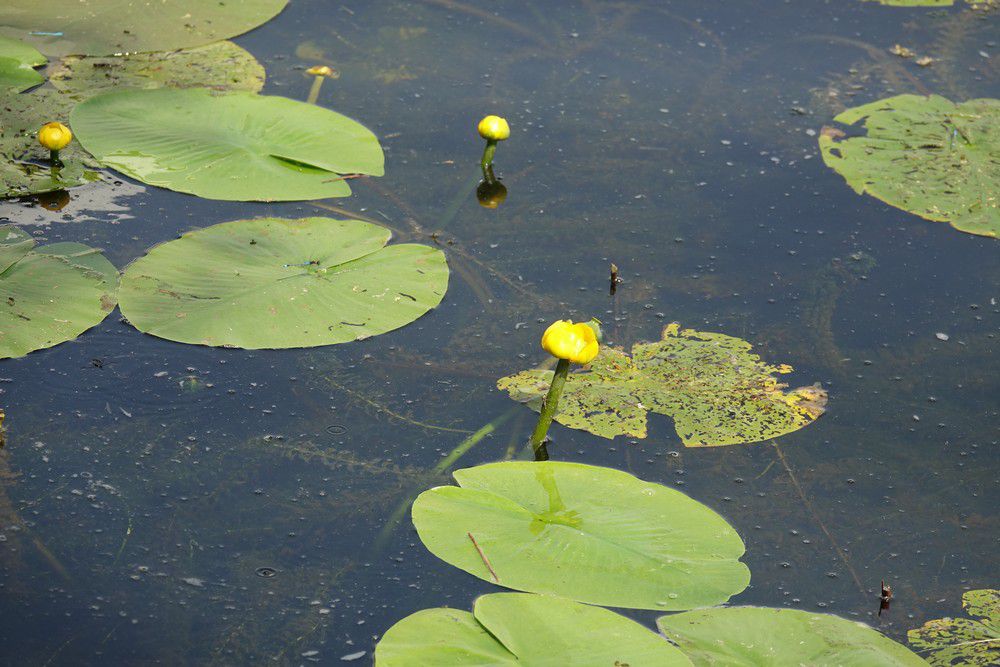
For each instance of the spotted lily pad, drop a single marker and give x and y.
(973, 642)
(276, 283)
(587, 533)
(925, 155)
(762, 637)
(17, 65)
(234, 146)
(523, 629)
(714, 388)
(107, 27)
(50, 294)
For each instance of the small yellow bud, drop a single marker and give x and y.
(323, 70)
(574, 342)
(494, 128)
(54, 136)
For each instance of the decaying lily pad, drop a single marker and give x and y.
(925, 155)
(17, 65)
(107, 27)
(963, 641)
(50, 294)
(716, 390)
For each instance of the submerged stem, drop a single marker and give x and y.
(487, 162)
(549, 406)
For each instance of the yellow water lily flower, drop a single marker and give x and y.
(54, 136)
(494, 128)
(574, 342)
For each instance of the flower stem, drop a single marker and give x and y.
(54, 158)
(314, 91)
(487, 162)
(549, 406)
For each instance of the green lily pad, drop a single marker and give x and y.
(17, 65)
(925, 155)
(963, 641)
(275, 283)
(107, 27)
(762, 637)
(714, 388)
(523, 629)
(221, 66)
(235, 146)
(51, 294)
(587, 533)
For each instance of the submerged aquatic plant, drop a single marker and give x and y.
(55, 136)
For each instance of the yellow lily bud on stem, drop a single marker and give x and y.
(54, 136)
(492, 129)
(320, 72)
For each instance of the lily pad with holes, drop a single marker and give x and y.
(973, 642)
(714, 388)
(107, 27)
(925, 155)
(762, 637)
(235, 146)
(586, 533)
(276, 283)
(221, 66)
(523, 629)
(17, 66)
(50, 294)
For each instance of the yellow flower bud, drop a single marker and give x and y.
(494, 128)
(323, 70)
(54, 136)
(574, 342)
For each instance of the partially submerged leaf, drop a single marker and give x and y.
(763, 637)
(50, 294)
(925, 155)
(235, 146)
(17, 66)
(276, 283)
(972, 642)
(523, 629)
(716, 390)
(583, 532)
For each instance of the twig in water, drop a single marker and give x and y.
(486, 560)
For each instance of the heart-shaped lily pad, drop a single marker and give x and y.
(716, 390)
(974, 642)
(523, 629)
(50, 294)
(234, 146)
(583, 532)
(17, 65)
(276, 283)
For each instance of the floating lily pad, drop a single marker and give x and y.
(925, 155)
(51, 294)
(714, 388)
(107, 27)
(762, 637)
(583, 532)
(17, 65)
(963, 641)
(221, 66)
(523, 629)
(234, 146)
(275, 283)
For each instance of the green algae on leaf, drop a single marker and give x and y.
(586, 533)
(762, 637)
(108, 27)
(235, 146)
(17, 66)
(925, 155)
(50, 294)
(523, 629)
(963, 641)
(276, 283)
(714, 388)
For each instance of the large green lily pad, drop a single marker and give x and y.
(51, 294)
(714, 388)
(17, 65)
(221, 66)
(523, 629)
(763, 637)
(235, 146)
(925, 155)
(107, 27)
(972, 642)
(583, 532)
(275, 283)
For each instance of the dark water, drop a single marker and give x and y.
(147, 483)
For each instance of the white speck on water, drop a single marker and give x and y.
(941, 336)
(193, 581)
(353, 656)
